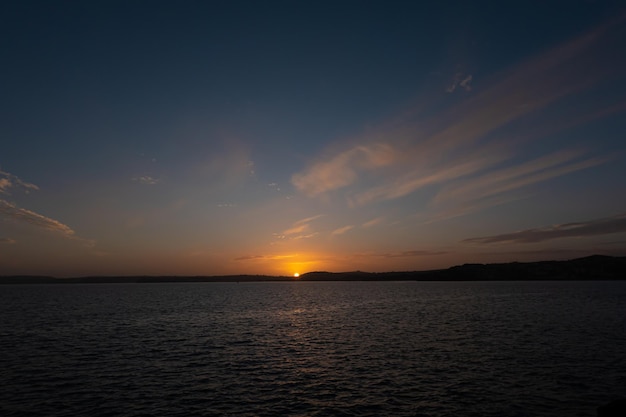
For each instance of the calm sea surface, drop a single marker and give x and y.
(312, 349)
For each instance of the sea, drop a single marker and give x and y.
(502, 348)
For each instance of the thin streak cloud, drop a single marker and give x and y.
(522, 175)
(342, 230)
(264, 257)
(342, 169)
(146, 179)
(8, 180)
(11, 211)
(5, 183)
(416, 180)
(250, 258)
(464, 141)
(460, 80)
(403, 254)
(300, 229)
(373, 222)
(609, 225)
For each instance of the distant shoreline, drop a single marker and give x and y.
(591, 268)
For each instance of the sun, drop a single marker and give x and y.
(296, 275)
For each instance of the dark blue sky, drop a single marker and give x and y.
(198, 133)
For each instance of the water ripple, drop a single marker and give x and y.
(312, 349)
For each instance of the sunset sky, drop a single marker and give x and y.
(264, 137)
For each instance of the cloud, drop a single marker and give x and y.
(341, 230)
(420, 178)
(609, 225)
(300, 229)
(404, 254)
(6, 240)
(21, 215)
(250, 257)
(478, 152)
(342, 169)
(465, 83)
(462, 80)
(5, 184)
(310, 235)
(301, 225)
(296, 229)
(460, 210)
(274, 186)
(372, 222)
(146, 179)
(412, 253)
(11, 211)
(524, 174)
(617, 242)
(553, 253)
(263, 257)
(309, 219)
(8, 180)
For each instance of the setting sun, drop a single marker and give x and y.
(296, 275)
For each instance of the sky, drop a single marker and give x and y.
(281, 137)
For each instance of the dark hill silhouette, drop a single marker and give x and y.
(596, 267)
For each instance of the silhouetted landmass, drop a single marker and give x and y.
(596, 267)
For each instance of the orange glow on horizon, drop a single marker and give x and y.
(300, 263)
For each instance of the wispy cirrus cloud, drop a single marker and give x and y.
(342, 230)
(604, 226)
(343, 169)
(297, 229)
(250, 258)
(425, 176)
(465, 208)
(402, 254)
(305, 236)
(556, 253)
(11, 211)
(8, 180)
(461, 80)
(476, 151)
(264, 257)
(465, 83)
(412, 253)
(373, 222)
(514, 177)
(146, 179)
(300, 229)
(5, 184)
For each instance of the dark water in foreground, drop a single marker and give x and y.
(312, 349)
